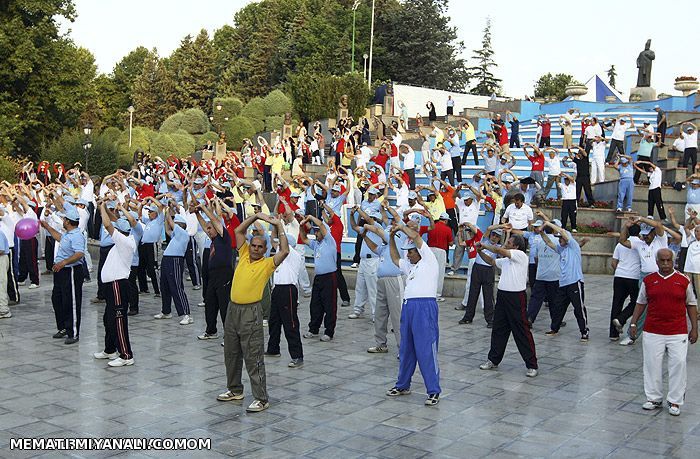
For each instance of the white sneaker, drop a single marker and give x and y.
(265, 322)
(197, 287)
(674, 410)
(160, 315)
(33, 286)
(186, 320)
(308, 335)
(326, 338)
(650, 405)
(440, 299)
(201, 305)
(307, 294)
(355, 315)
(531, 372)
(119, 362)
(450, 273)
(103, 355)
(488, 365)
(354, 265)
(6, 315)
(206, 335)
(626, 341)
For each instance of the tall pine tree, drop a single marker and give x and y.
(145, 93)
(487, 83)
(193, 67)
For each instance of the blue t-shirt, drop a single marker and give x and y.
(455, 150)
(324, 253)
(367, 206)
(153, 231)
(364, 249)
(514, 128)
(71, 243)
(137, 232)
(570, 262)
(547, 259)
(387, 267)
(178, 242)
(336, 203)
(626, 171)
(532, 240)
(105, 238)
(4, 245)
(693, 196)
(645, 149)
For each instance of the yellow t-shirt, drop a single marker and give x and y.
(436, 207)
(469, 133)
(250, 278)
(277, 163)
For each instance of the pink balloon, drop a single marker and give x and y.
(27, 228)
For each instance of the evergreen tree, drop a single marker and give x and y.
(612, 74)
(145, 94)
(487, 83)
(193, 65)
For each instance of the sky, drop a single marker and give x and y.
(529, 38)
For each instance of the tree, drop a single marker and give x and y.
(124, 76)
(316, 96)
(146, 98)
(487, 83)
(553, 86)
(193, 66)
(612, 74)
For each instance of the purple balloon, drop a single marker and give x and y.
(27, 228)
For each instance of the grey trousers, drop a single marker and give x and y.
(244, 341)
(389, 300)
(441, 256)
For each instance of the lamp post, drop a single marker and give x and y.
(371, 45)
(87, 144)
(131, 110)
(365, 56)
(354, 12)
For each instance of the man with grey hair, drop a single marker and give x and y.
(667, 297)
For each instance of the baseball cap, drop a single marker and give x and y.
(152, 208)
(557, 222)
(111, 205)
(82, 202)
(412, 195)
(537, 223)
(468, 195)
(295, 195)
(123, 225)
(695, 182)
(70, 214)
(374, 191)
(69, 199)
(498, 231)
(431, 192)
(645, 229)
(623, 159)
(656, 106)
(198, 181)
(444, 216)
(374, 214)
(409, 245)
(336, 188)
(689, 128)
(179, 219)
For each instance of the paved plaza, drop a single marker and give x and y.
(586, 402)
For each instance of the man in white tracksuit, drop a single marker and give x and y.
(366, 282)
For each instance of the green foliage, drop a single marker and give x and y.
(274, 123)
(9, 169)
(230, 106)
(553, 86)
(487, 83)
(277, 103)
(184, 144)
(236, 130)
(68, 149)
(111, 134)
(254, 111)
(140, 140)
(207, 136)
(192, 121)
(316, 96)
(163, 145)
(192, 66)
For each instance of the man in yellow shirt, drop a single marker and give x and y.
(243, 330)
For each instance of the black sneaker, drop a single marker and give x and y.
(584, 337)
(551, 333)
(71, 340)
(464, 321)
(270, 354)
(60, 334)
(489, 325)
(432, 399)
(132, 313)
(461, 307)
(395, 391)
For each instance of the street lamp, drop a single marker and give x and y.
(131, 110)
(87, 144)
(354, 11)
(365, 56)
(219, 107)
(371, 46)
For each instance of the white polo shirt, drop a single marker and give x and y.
(553, 165)
(421, 278)
(628, 262)
(7, 225)
(409, 159)
(647, 252)
(118, 262)
(691, 140)
(568, 192)
(619, 130)
(513, 271)
(467, 213)
(287, 273)
(654, 178)
(519, 218)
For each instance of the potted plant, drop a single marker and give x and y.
(686, 84)
(575, 90)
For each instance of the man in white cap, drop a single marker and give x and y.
(690, 153)
(115, 276)
(172, 268)
(67, 293)
(366, 281)
(440, 237)
(419, 315)
(153, 221)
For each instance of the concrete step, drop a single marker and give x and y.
(606, 218)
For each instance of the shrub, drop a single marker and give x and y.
(111, 134)
(202, 139)
(255, 108)
(236, 130)
(172, 123)
(163, 145)
(316, 95)
(68, 149)
(141, 139)
(184, 144)
(230, 106)
(274, 123)
(192, 121)
(277, 103)
(9, 169)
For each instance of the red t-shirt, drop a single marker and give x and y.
(666, 304)
(471, 249)
(287, 195)
(537, 162)
(146, 190)
(394, 150)
(503, 136)
(441, 237)
(337, 231)
(546, 129)
(231, 226)
(381, 160)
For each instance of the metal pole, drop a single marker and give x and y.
(352, 63)
(131, 121)
(371, 44)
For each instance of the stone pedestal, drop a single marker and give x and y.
(286, 131)
(642, 94)
(342, 113)
(220, 151)
(388, 106)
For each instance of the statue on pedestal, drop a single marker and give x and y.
(343, 107)
(644, 62)
(287, 126)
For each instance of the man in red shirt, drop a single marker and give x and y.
(337, 229)
(537, 160)
(667, 296)
(546, 132)
(440, 238)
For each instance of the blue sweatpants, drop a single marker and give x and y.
(419, 343)
(625, 193)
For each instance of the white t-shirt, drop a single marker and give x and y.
(567, 191)
(519, 218)
(87, 192)
(598, 149)
(619, 130)
(118, 262)
(7, 225)
(292, 228)
(421, 278)
(84, 218)
(363, 157)
(692, 260)
(629, 265)
(691, 140)
(445, 162)
(593, 130)
(402, 195)
(409, 159)
(468, 214)
(490, 163)
(553, 164)
(679, 144)
(647, 252)
(654, 178)
(288, 271)
(513, 271)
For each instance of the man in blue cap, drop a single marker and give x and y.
(67, 292)
(625, 188)
(115, 275)
(171, 270)
(152, 235)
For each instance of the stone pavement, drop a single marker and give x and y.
(586, 402)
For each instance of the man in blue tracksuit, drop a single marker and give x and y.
(546, 283)
(419, 315)
(171, 269)
(625, 191)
